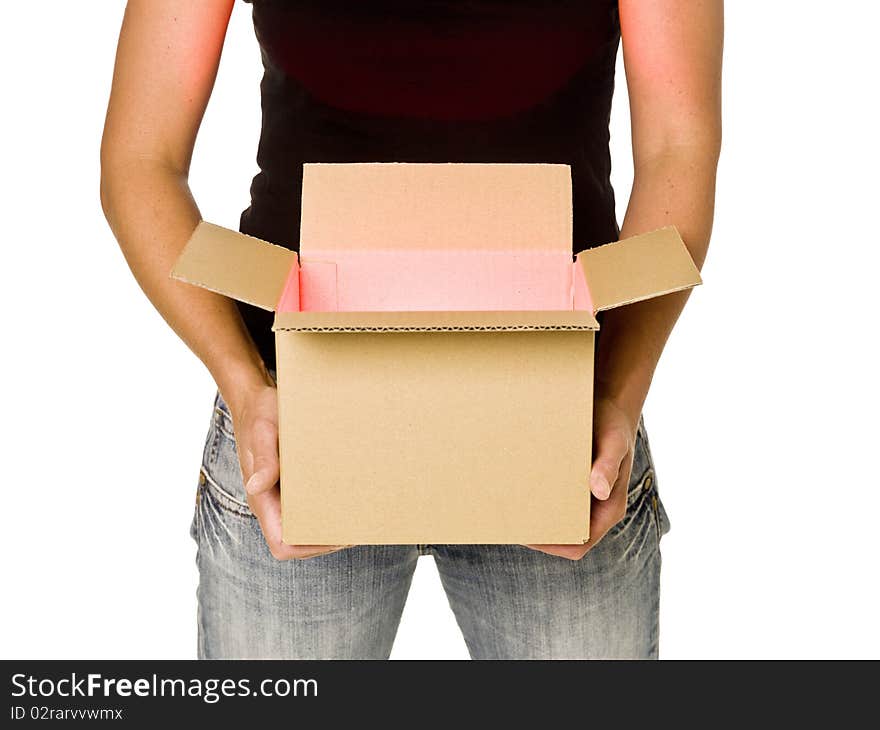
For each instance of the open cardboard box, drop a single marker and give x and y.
(435, 349)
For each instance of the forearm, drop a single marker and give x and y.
(676, 188)
(152, 214)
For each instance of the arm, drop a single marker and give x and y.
(672, 53)
(166, 64)
(165, 68)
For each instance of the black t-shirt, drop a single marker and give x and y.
(431, 81)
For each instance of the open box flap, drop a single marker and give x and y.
(446, 207)
(433, 321)
(638, 268)
(234, 264)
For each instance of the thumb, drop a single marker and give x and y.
(265, 476)
(264, 457)
(611, 449)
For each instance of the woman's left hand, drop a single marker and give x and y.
(614, 439)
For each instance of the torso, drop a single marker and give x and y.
(432, 81)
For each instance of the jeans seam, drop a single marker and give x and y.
(655, 507)
(220, 496)
(228, 434)
(220, 420)
(214, 436)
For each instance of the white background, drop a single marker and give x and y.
(762, 415)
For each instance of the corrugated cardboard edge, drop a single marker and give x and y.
(638, 268)
(507, 321)
(234, 264)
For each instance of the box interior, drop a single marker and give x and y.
(434, 280)
(441, 238)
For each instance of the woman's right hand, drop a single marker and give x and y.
(255, 420)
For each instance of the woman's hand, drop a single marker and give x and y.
(614, 439)
(255, 420)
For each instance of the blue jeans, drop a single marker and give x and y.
(510, 602)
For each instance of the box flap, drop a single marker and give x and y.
(515, 321)
(448, 206)
(637, 268)
(234, 264)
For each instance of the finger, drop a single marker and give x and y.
(571, 552)
(303, 552)
(261, 481)
(598, 529)
(605, 514)
(611, 449)
(266, 506)
(263, 450)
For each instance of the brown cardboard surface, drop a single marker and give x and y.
(440, 206)
(427, 426)
(638, 268)
(444, 437)
(231, 263)
(433, 321)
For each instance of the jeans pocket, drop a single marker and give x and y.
(209, 455)
(649, 480)
(220, 490)
(220, 465)
(637, 500)
(658, 511)
(222, 498)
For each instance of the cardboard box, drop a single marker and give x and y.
(435, 347)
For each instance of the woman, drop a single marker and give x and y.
(407, 81)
